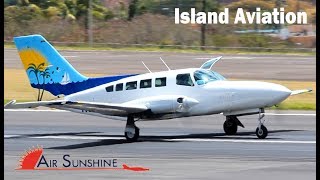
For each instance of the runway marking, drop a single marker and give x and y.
(274, 114)
(70, 56)
(57, 110)
(226, 57)
(77, 137)
(244, 141)
(178, 139)
(10, 136)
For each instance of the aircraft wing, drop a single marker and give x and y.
(295, 92)
(102, 108)
(208, 64)
(13, 105)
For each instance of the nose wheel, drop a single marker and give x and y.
(131, 132)
(261, 131)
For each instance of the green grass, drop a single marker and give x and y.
(174, 49)
(294, 106)
(5, 101)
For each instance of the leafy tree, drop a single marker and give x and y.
(251, 5)
(132, 9)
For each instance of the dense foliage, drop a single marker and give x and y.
(139, 21)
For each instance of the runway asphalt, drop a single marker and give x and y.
(186, 148)
(251, 67)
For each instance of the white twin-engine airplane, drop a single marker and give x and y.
(151, 96)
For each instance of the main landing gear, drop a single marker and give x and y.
(230, 126)
(131, 131)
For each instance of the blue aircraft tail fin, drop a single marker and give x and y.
(48, 70)
(43, 63)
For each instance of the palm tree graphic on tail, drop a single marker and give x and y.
(39, 71)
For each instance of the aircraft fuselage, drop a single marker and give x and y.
(175, 99)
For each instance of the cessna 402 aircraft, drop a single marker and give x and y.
(151, 96)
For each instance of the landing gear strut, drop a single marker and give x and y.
(230, 126)
(261, 131)
(131, 131)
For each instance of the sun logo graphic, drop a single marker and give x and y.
(33, 159)
(29, 160)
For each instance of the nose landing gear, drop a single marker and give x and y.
(261, 131)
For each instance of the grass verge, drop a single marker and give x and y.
(176, 49)
(16, 86)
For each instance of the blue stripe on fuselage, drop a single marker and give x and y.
(70, 88)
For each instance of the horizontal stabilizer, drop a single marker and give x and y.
(13, 105)
(295, 92)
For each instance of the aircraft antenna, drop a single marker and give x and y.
(146, 66)
(165, 64)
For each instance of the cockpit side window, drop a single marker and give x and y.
(205, 76)
(184, 80)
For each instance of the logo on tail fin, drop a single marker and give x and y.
(65, 79)
(45, 67)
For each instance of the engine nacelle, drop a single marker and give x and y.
(166, 104)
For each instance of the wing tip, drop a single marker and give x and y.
(301, 91)
(9, 104)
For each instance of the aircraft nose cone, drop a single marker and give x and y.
(269, 94)
(280, 91)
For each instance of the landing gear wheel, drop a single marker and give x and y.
(131, 131)
(262, 132)
(132, 134)
(230, 127)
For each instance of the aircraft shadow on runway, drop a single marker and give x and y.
(107, 142)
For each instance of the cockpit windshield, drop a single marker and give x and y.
(204, 76)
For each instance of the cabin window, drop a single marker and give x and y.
(119, 87)
(145, 83)
(161, 82)
(131, 85)
(184, 80)
(109, 88)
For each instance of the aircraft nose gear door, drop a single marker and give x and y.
(131, 131)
